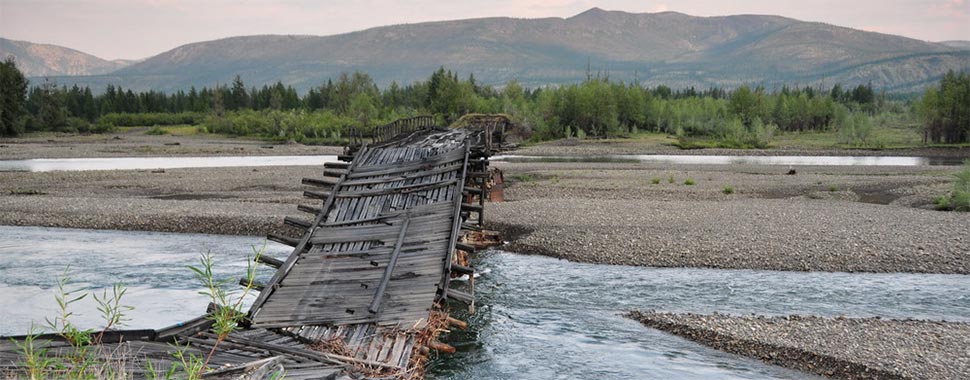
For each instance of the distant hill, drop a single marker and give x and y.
(965, 45)
(38, 60)
(668, 48)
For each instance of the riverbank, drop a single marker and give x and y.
(735, 216)
(232, 201)
(843, 348)
(743, 216)
(133, 142)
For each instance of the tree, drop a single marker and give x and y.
(13, 98)
(238, 97)
(52, 114)
(747, 104)
(362, 109)
(946, 116)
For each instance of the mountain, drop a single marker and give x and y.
(668, 48)
(39, 60)
(959, 44)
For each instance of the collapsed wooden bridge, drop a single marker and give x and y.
(364, 292)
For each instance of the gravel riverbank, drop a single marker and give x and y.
(135, 143)
(822, 219)
(236, 201)
(843, 348)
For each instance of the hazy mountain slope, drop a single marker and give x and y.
(52, 60)
(662, 48)
(960, 44)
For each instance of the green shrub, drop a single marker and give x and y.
(523, 177)
(297, 125)
(728, 190)
(655, 180)
(960, 198)
(671, 179)
(942, 203)
(856, 130)
(689, 182)
(833, 188)
(151, 118)
(156, 131)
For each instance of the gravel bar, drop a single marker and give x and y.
(822, 219)
(234, 201)
(843, 348)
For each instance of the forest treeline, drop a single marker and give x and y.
(597, 107)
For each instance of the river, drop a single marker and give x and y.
(538, 317)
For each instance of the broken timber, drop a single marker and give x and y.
(363, 292)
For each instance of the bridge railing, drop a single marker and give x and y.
(400, 126)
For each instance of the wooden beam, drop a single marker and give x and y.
(375, 304)
(316, 195)
(298, 223)
(308, 209)
(268, 260)
(461, 269)
(282, 240)
(320, 182)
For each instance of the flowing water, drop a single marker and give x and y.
(146, 163)
(538, 317)
(750, 160)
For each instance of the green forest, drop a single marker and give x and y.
(745, 117)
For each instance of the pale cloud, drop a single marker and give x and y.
(141, 28)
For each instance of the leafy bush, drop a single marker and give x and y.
(856, 130)
(297, 125)
(156, 131)
(150, 119)
(728, 190)
(655, 180)
(689, 182)
(959, 198)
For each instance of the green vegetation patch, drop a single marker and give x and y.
(959, 197)
(524, 177)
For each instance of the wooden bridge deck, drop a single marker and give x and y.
(361, 292)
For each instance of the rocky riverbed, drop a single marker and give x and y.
(133, 142)
(236, 201)
(735, 216)
(874, 219)
(844, 348)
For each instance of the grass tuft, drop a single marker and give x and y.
(523, 177)
(156, 131)
(728, 190)
(689, 182)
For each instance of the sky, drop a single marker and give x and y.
(135, 29)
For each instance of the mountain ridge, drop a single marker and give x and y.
(38, 59)
(668, 48)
